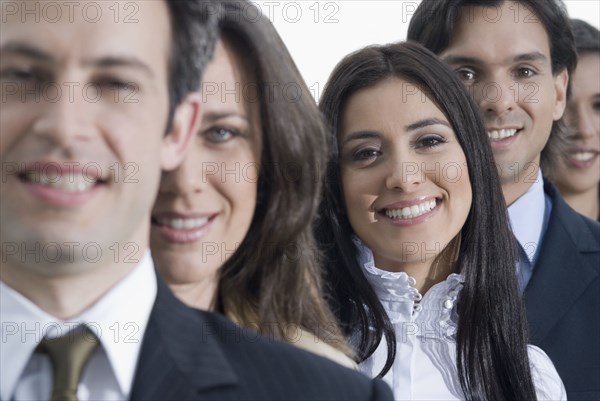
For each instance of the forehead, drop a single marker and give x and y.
(75, 31)
(497, 34)
(226, 83)
(392, 102)
(224, 72)
(586, 78)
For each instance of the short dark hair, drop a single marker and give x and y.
(587, 37)
(434, 21)
(491, 339)
(194, 33)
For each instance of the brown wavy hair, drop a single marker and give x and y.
(273, 281)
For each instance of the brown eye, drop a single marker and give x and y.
(24, 75)
(117, 84)
(466, 75)
(366, 154)
(525, 72)
(430, 141)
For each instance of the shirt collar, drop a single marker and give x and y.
(526, 217)
(119, 319)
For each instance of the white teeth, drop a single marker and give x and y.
(583, 156)
(66, 182)
(183, 224)
(497, 135)
(412, 211)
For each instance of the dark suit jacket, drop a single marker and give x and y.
(189, 355)
(563, 298)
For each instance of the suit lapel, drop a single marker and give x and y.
(180, 356)
(554, 273)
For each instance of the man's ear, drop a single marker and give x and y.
(561, 83)
(186, 122)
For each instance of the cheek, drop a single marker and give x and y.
(15, 122)
(459, 184)
(351, 190)
(357, 201)
(238, 187)
(132, 139)
(464, 186)
(543, 104)
(242, 200)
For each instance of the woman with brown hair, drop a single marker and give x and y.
(232, 228)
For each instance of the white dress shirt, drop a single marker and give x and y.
(528, 218)
(425, 364)
(119, 320)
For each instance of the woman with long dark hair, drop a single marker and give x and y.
(415, 237)
(232, 228)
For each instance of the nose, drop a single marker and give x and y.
(186, 179)
(496, 97)
(64, 118)
(403, 174)
(588, 124)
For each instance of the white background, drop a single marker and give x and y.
(319, 33)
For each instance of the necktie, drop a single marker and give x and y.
(69, 355)
(524, 268)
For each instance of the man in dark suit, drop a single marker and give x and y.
(88, 92)
(208, 355)
(515, 58)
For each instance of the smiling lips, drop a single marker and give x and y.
(182, 223)
(180, 229)
(583, 158)
(410, 212)
(500, 134)
(73, 183)
(62, 185)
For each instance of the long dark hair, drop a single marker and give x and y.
(433, 23)
(273, 281)
(491, 340)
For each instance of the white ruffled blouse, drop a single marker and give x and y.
(425, 364)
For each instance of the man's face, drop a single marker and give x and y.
(84, 110)
(503, 57)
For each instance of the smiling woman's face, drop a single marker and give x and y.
(404, 174)
(204, 208)
(581, 169)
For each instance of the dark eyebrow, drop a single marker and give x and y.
(533, 56)
(360, 135)
(461, 60)
(213, 116)
(25, 50)
(120, 61)
(21, 49)
(426, 123)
